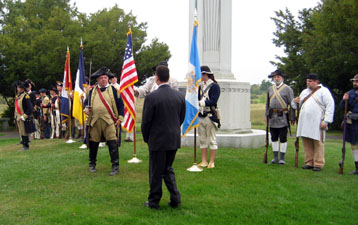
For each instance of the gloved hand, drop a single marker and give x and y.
(22, 118)
(202, 103)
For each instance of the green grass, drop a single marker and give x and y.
(50, 184)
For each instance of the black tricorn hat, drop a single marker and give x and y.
(30, 82)
(312, 76)
(21, 84)
(102, 71)
(42, 90)
(35, 92)
(355, 78)
(206, 70)
(59, 83)
(277, 72)
(162, 63)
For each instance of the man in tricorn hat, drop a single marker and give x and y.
(105, 111)
(279, 113)
(317, 109)
(45, 109)
(352, 121)
(23, 114)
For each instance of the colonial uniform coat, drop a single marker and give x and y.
(151, 86)
(352, 126)
(280, 102)
(101, 123)
(23, 107)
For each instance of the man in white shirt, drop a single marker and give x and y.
(317, 109)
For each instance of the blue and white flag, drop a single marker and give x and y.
(67, 87)
(194, 77)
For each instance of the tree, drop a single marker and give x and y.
(323, 40)
(34, 35)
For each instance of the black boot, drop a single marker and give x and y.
(282, 158)
(355, 172)
(275, 158)
(25, 142)
(113, 152)
(93, 149)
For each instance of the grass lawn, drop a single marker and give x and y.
(50, 184)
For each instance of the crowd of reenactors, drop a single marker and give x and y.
(314, 112)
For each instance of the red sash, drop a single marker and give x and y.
(17, 107)
(106, 105)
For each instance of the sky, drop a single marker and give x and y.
(252, 31)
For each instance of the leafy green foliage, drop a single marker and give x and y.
(34, 35)
(322, 40)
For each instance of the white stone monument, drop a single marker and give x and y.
(214, 43)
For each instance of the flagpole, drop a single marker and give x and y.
(195, 167)
(70, 118)
(134, 159)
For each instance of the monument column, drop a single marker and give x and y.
(214, 43)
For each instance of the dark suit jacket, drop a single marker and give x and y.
(163, 114)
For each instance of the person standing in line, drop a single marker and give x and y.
(105, 110)
(209, 121)
(316, 112)
(23, 114)
(45, 105)
(163, 114)
(280, 114)
(352, 120)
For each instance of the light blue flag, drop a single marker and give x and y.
(194, 77)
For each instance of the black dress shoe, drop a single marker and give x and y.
(307, 167)
(316, 169)
(174, 204)
(147, 204)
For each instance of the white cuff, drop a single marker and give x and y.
(202, 103)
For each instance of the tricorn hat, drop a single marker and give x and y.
(279, 73)
(59, 83)
(42, 90)
(102, 71)
(30, 82)
(21, 84)
(355, 78)
(35, 92)
(162, 63)
(312, 76)
(206, 70)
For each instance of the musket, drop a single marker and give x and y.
(341, 163)
(297, 142)
(89, 117)
(267, 126)
(59, 111)
(42, 123)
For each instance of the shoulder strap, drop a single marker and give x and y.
(307, 97)
(276, 93)
(106, 105)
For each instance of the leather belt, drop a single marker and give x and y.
(279, 110)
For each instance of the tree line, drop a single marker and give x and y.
(321, 40)
(34, 36)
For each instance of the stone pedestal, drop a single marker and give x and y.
(214, 45)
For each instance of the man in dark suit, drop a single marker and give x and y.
(163, 114)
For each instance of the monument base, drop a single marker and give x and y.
(253, 139)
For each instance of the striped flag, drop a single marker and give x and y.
(67, 87)
(128, 78)
(194, 77)
(80, 83)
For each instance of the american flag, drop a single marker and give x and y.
(128, 78)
